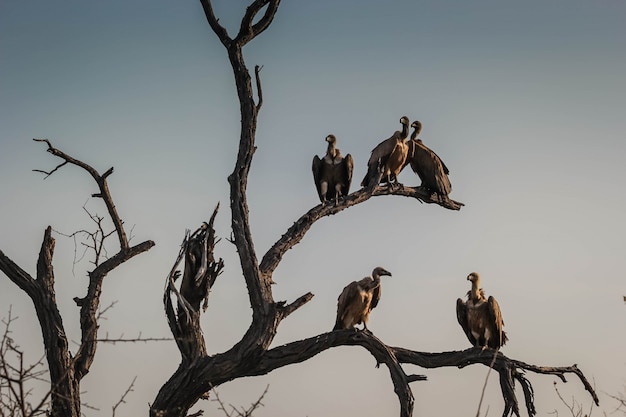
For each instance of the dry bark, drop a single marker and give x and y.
(199, 372)
(67, 369)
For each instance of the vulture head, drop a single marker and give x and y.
(474, 277)
(379, 271)
(331, 139)
(404, 120)
(417, 125)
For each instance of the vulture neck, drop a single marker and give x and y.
(415, 133)
(331, 151)
(475, 293)
(405, 131)
(375, 280)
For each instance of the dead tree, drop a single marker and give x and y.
(200, 372)
(67, 369)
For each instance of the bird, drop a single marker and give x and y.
(480, 317)
(332, 173)
(427, 164)
(358, 299)
(388, 156)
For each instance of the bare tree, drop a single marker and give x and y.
(67, 369)
(199, 372)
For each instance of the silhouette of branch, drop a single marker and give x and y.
(136, 339)
(482, 393)
(123, 398)
(296, 232)
(575, 408)
(16, 376)
(259, 90)
(241, 412)
(67, 370)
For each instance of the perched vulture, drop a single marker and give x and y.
(357, 300)
(480, 317)
(427, 164)
(333, 173)
(389, 156)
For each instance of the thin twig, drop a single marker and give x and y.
(482, 394)
(123, 398)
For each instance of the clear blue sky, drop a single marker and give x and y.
(524, 101)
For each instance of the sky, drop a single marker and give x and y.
(524, 101)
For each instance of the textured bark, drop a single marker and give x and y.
(200, 371)
(67, 370)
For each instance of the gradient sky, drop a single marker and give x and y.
(524, 101)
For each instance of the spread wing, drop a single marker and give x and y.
(495, 316)
(461, 316)
(317, 175)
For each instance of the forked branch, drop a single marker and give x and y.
(104, 193)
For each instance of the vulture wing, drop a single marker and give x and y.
(461, 316)
(346, 298)
(445, 168)
(317, 175)
(410, 153)
(496, 319)
(347, 166)
(384, 149)
(378, 158)
(429, 167)
(375, 297)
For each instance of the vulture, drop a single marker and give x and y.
(480, 317)
(333, 173)
(427, 164)
(388, 156)
(357, 300)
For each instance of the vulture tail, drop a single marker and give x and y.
(338, 325)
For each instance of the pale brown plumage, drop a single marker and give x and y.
(332, 173)
(389, 156)
(480, 317)
(427, 164)
(357, 300)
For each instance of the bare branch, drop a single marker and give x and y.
(16, 274)
(249, 31)
(219, 30)
(124, 395)
(482, 393)
(139, 338)
(259, 90)
(102, 185)
(15, 395)
(243, 412)
(297, 231)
